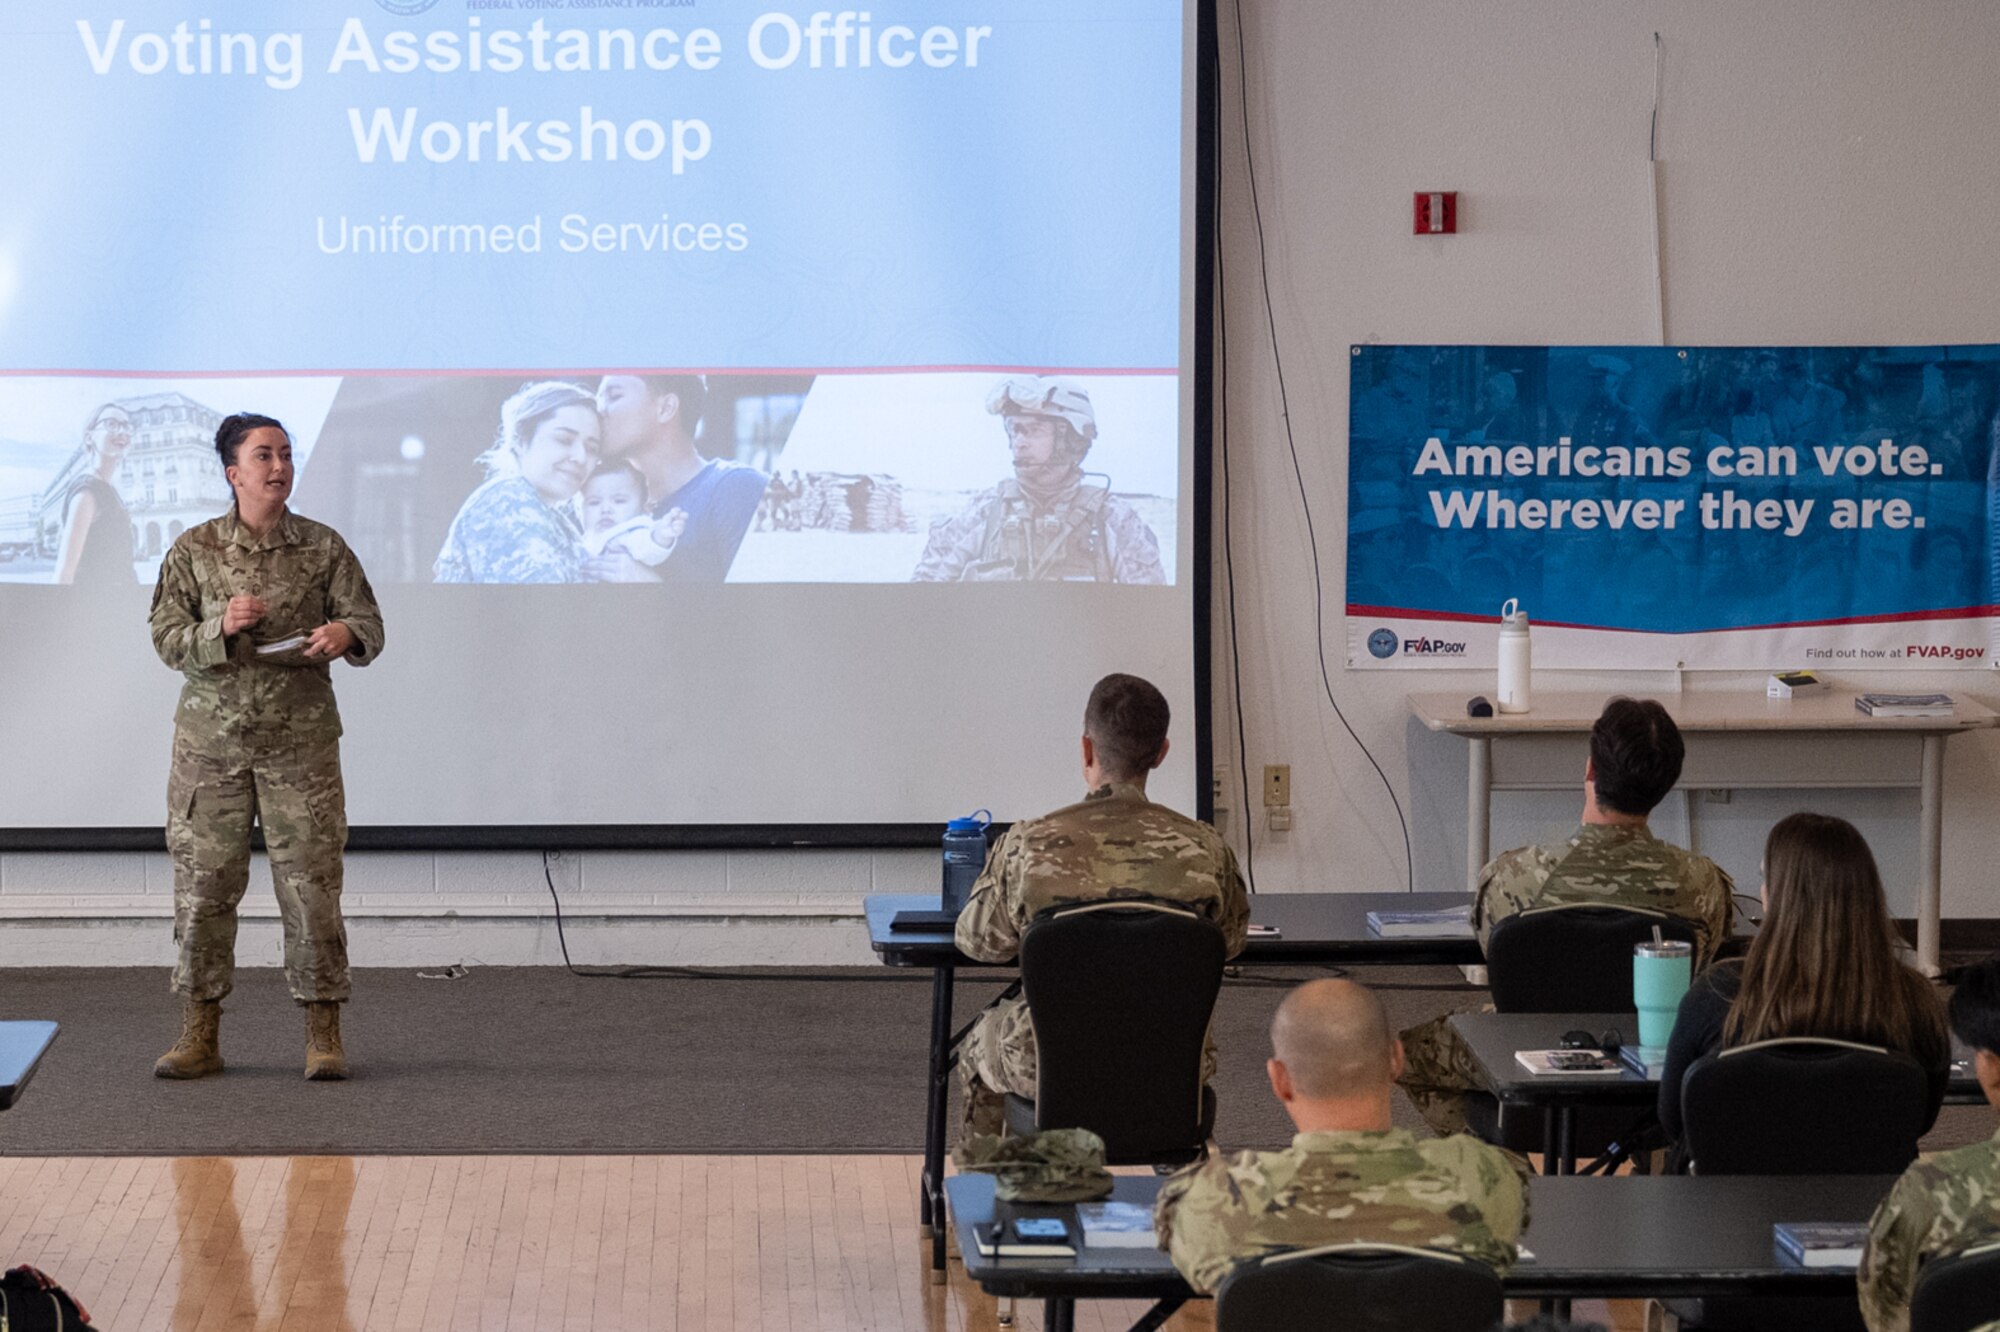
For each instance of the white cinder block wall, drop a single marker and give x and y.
(1828, 178)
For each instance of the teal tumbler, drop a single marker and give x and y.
(1660, 975)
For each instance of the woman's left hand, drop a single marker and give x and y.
(330, 640)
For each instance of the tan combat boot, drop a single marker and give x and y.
(325, 1061)
(198, 1053)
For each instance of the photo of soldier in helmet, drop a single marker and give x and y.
(1051, 519)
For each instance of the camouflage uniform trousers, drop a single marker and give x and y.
(997, 1059)
(295, 792)
(1438, 1071)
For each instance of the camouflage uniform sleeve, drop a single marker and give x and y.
(1715, 905)
(990, 926)
(184, 640)
(1235, 918)
(953, 542)
(1200, 1217)
(1505, 1205)
(1889, 1259)
(1506, 888)
(351, 601)
(1135, 551)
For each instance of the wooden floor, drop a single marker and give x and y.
(259, 1244)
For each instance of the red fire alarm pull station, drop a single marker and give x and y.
(1436, 212)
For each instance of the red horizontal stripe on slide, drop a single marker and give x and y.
(1901, 617)
(602, 370)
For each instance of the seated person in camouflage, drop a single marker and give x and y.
(1950, 1202)
(1348, 1177)
(1115, 843)
(1047, 521)
(1612, 860)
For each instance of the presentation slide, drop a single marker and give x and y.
(751, 326)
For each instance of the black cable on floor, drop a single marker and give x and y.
(1284, 407)
(886, 977)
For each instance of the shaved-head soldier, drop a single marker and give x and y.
(1349, 1177)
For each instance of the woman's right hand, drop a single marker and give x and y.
(241, 613)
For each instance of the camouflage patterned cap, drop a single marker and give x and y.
(1054, 1166)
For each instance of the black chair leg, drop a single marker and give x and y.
(1157, 1316)
(930, 1205)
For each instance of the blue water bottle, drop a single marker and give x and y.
(964, 857)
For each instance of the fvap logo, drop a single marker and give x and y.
(1382, 643)
(1432, 647)
(406, 8)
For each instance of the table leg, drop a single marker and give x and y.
(1059, 1315)
(930, 1203)
(1478, 807)
(1156, 1317)
(1558, 1140)
(1930, 839)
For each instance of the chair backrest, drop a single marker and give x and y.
(1360, 1288)
(1957, 1292)
(1120, 993)
(1803, 1106)
(1572, 959)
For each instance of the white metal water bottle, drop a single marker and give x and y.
(1515, 658)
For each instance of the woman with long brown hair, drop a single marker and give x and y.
(1823, 964)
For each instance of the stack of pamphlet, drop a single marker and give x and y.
(1904, 705)
(1450, 923)
(1648, 1061)
(1117, 1225)
(1569, 1063)
(1820, 1243)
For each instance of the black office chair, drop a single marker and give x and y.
(1360, 1288)
(1957, 1292)
(1571, 958)
(1120, 993)
(1793, 1107)
(1788, 1107)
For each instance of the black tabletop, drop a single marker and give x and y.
(1588, 1236)
(1494, 1037)
(22, 1045)
(1312, 928)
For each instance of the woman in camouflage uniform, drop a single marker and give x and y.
(520, 526)
(253, 608)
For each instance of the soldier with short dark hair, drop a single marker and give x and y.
(1115, 843)
(1950, 1202)
(1612, 860)
(253, 608)
(1046, 522)
(1349, 1176)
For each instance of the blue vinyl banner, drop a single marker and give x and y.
(1726, 507)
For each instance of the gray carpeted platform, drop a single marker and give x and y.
(533, 1059)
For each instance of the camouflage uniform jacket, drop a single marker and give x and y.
(1607, 865)
(1114, 843)
(1941, 1205)
(1085, 533)
(308, 577)
(504, 533)
(1388, 1187)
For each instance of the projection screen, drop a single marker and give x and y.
(757, 424)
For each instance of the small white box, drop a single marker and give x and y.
(1790, 684)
